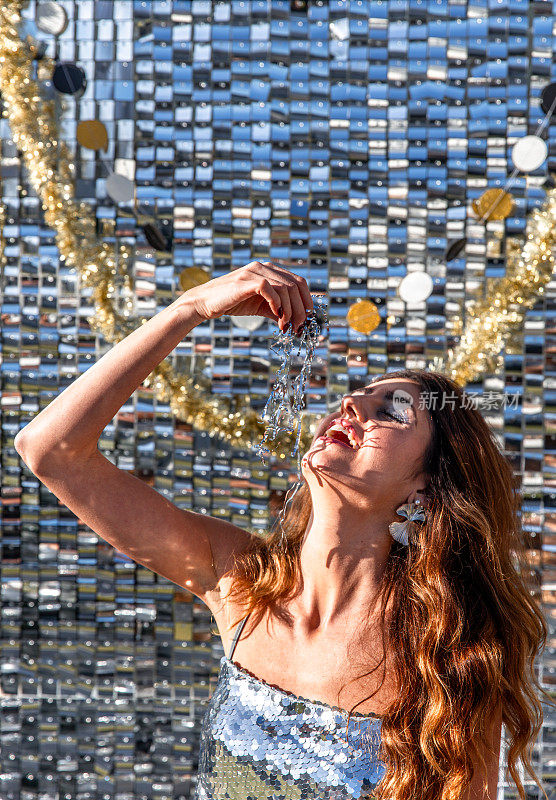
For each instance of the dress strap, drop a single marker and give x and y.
(237, 635)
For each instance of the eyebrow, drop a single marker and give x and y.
(388, 395)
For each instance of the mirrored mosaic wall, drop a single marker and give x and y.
(345, 139)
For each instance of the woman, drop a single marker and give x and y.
(439, 601)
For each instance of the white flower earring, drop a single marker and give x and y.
(413, 512)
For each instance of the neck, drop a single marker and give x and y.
(342, 560)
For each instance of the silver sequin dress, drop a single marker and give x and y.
(262, 743)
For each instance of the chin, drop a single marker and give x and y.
(314, 452)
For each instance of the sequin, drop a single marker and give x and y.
(261, 743)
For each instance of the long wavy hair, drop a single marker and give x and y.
(465, 624)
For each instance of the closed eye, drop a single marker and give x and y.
(392, 416)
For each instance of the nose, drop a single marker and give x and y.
(352, 406)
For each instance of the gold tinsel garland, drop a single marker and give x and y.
(51, 170)
(491, 320)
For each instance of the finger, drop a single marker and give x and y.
(294, 284)
(278, 272)
(270, 294)
(285, 301)
(269, 267)
(258, 279)
(306, 295)
(298, 306)
(284, 282)
(306, 299)
(280, 282)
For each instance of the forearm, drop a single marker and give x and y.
(73, 422)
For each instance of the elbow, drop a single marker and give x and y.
(19, 443)
(44, 459)
(22, 449)
(30, 453)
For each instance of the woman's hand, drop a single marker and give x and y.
(257, 289)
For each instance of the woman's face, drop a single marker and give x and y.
(389, 434)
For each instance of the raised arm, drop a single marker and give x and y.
(73, 422)
(60, 444)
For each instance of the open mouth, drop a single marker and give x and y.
(340, 436)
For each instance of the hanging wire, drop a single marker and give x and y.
(282, 411)
(283, 408)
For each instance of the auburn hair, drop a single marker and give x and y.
(465, 624)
